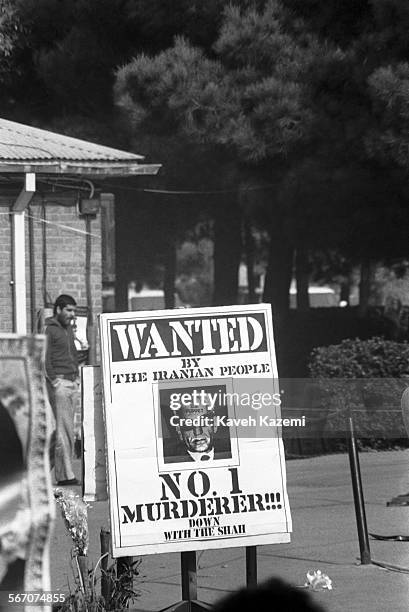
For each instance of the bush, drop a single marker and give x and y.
(364, 378)
(373, 358)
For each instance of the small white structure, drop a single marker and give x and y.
(149, 299)
(320, 297)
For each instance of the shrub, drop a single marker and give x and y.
(373, 358)
(364, 379)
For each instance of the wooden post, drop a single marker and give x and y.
(189, 601)
(19, 274)
(88, 290)
(19, 253)
(105, 581)
(251, 566)
(189, 575)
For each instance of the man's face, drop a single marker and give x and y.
(198, 438)
(66, 315)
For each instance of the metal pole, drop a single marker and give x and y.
(251, 566)
(358, 495)
(88, 291)
(189, 575)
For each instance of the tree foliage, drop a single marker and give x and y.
(309, 97)
(388, 89)
(250, 98)
(70, 49)
(299, 91)
(11, 32)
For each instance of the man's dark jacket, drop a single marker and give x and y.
(61, 354)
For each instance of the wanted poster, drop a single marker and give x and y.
(192, 417)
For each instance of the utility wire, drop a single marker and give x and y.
(62, 226)
(188, 192)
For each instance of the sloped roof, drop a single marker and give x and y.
(28, 149)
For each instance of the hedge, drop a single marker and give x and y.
(364, 378)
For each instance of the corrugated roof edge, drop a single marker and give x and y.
(108, 168)
(27, 137)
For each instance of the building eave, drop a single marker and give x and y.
(90, 169)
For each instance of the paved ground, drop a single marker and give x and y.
(324, 537)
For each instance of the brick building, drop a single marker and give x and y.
(56, 221)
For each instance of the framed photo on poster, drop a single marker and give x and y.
(214, 441)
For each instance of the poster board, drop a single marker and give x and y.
(158, 369)
(27, 505)
(94, 464)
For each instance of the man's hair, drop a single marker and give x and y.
(62, 301)
(275, 595)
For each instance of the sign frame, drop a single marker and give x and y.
(115, 330)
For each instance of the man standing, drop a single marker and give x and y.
(61, 366)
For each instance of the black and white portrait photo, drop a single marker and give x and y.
(192, 424)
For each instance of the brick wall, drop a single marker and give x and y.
(57, 257)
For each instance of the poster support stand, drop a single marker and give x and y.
(189, 601)
(251, 566)
(188, 567)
